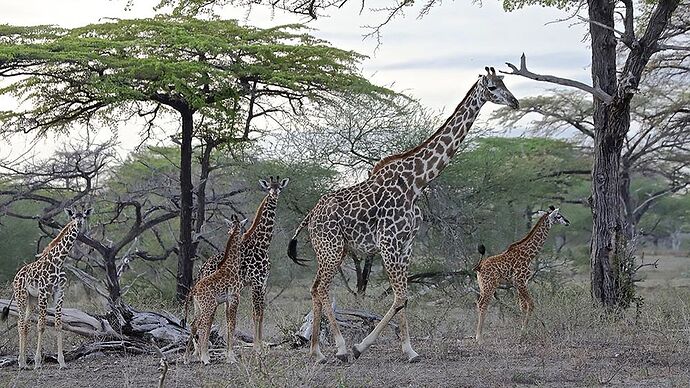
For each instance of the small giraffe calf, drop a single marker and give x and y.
(213, 290)
(40, 280)
(513, 266)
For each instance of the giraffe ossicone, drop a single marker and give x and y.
(380, 214)
(40, 280)
(513, 266)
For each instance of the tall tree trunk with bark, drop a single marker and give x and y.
(610, 255)
(185, 262)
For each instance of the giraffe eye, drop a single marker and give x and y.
(492, 88)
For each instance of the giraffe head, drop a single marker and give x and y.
(235, 226)
(491, 88)
(555, 216)
(79, 217)
(274, 186)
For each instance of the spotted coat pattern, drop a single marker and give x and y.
(254, 262)
(513, 266)
(380, 214)
(40, 280)
(221, 286)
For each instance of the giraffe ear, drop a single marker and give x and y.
(88, 212)
(243, 223)
(284, 183)
(69, 212)
(541, 213)
(265, 186)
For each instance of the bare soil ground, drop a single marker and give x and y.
(568, 343)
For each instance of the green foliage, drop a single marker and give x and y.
(490, 193)
(18, 242)
(208, 65)
(512, 5)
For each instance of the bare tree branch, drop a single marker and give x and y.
(522, 71)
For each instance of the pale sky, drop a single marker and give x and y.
(435, 59)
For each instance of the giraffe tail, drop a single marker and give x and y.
(292, 246)
(6, 310)
(482, 250)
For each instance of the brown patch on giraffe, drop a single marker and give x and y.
(388, 159)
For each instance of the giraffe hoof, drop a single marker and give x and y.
(321, 360)
(356, 352)
(414, 359)
(344, 358)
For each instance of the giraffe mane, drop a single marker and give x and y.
(531, 232)
(257, 218)
(226, 252)
(391, 158)
(57, 238)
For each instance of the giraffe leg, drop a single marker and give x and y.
(58, 296)
(397, 274)
(40, 328)
(205, 322)
(259, 304)
(526, 303)
(323, 293)
(315, 349)
(487, 288)
(191, 341)
(24, 309)
(231, 318)
(412, 356)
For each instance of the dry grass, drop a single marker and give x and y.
(568, 343)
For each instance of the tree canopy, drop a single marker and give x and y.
(217, 76)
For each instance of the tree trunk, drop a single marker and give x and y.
(205, 165)
(185, 261)
(608, 142)
(611, 260)
(363, 273)
(112, 280)
(630, 218)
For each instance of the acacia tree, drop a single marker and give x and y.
(612, 91)
(168, 65)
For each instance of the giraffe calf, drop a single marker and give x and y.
(37, 282)
(213, 290)
(513, 266)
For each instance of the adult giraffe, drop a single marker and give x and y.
(380, 214)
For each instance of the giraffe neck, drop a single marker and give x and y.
(57, 250)
(261, 229)
(231, 254)
(428, 159)
(535, 239)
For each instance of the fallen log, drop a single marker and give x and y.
(124, 330)
(356, 321)
(75, 321)
(123, 346)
